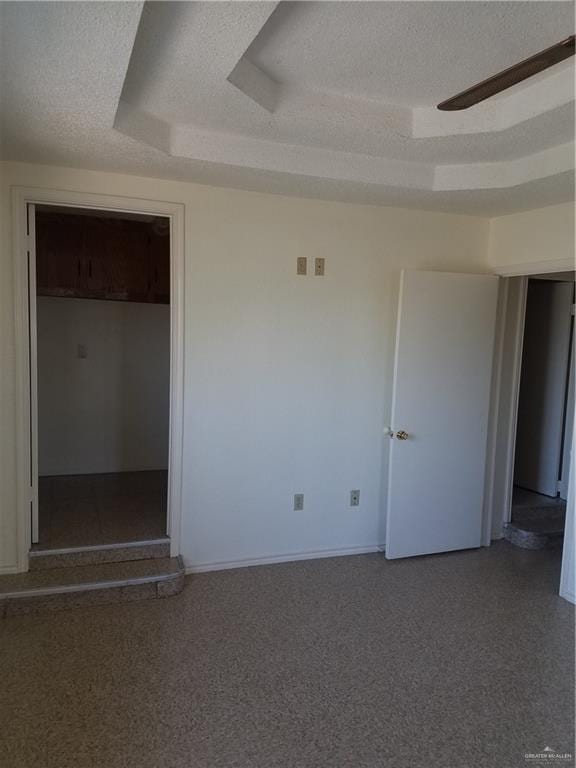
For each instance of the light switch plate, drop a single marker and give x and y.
(301, 265)
(298, 502)
(319, 267)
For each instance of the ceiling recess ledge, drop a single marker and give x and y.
(244, 151)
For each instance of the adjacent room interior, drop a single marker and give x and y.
(102, 310)
(545, 414)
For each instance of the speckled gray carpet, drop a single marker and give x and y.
(462, 660)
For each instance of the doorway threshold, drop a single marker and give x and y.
(60, 588)
(94, 554)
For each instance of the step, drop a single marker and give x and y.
(88, 585)
(530, 539)
(71, 557)
(536, 527)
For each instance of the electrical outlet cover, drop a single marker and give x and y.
(354, 498)
(298, 502)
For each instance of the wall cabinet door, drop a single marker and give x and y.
(59, 248)
(102, 258)
(118, 259)
(160, 266)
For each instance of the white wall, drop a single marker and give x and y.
(544, 235)
(108, 412)
(287, 378)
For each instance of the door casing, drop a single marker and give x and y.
(26, 396)
(503, 425)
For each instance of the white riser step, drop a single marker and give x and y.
(42, 559)
(88, 585)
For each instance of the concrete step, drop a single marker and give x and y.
(87, 585)
(536, 527)
(41, 559)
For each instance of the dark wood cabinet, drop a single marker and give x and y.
(97, 257)
(59, 248)
(159, 268)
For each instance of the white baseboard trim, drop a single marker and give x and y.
(7, 570)
(225, 565)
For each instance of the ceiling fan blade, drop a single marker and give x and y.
(511, 76)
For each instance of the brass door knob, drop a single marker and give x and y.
(401, 435)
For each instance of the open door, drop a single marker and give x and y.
(32, 367)
(440, 406)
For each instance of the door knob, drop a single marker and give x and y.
(401, 435)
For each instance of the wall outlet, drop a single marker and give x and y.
(319, 267)
(354, 498)
(301, 265)
(298, 502)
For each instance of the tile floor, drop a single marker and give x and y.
(463, 660)
(84, 510)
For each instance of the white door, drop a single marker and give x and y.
(33, 368)
(541, 403)
(441, 399)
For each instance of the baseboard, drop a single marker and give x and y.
(225, 565)
(6, 570)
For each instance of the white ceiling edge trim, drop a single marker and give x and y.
(517, 106)
(511, 173)
(243, 151)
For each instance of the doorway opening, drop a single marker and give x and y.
(100, 362)
(545, 414)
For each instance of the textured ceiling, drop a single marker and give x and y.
(406, 53)
(329, 100)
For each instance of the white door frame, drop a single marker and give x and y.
(495, 518)
(504, 411)
(25, 395)
(568, 573)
